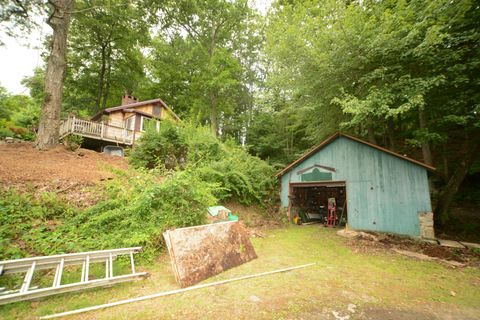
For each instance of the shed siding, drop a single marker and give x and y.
(385, 193)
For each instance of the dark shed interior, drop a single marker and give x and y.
(310, 203)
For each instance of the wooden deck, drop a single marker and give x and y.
(96, 130)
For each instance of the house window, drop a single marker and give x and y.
(130, 123)
(147, 123)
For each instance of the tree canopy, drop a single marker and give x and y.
(402, 74)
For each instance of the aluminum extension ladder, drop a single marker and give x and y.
(30, 265)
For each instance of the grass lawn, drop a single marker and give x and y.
(381, 285)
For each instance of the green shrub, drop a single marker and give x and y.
(165, 148)
(73, 142)
(136, 208)
(28, 224)
(5, 132)
(240, 176)
(139, 207)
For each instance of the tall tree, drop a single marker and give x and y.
(105, 58)
(221, 41)
(59, 21)
(400, 73)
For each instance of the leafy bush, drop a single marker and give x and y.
(5, 132)
(166, 148)
(27, 224)
(9, 129)
(73, 142)
(240, 176)
(18, 116)
(139, 208)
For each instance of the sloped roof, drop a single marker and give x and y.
(337, 135)
(137, 104)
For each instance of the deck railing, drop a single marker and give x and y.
(96, 130)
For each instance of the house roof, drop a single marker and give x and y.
(146, 114)
(337, 135)
(136, 104)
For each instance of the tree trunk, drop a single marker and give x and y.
(106, 92)
(391, 134)
(445, 161)
(49, 124)
(213, 113)
(213, 98)
(427, 154)
(470, 153)
(371, 134)
(101, 79)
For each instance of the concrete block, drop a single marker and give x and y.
(471, 245)
(451, 244)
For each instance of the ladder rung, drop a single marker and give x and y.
(132, 262)
(87, 267)
(83, 272)
(111, 265)
(28, 278)
(106, 268)
(58, 274)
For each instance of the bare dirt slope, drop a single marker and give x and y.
(58, 170)
(22, 163)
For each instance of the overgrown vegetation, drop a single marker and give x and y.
(139, 206)
(135, 209)
(28, 224)
(73, 142)
(18, 116)
(180, 172)
(194, 149)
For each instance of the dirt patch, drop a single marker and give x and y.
(66, 173)
(255, 217)
(387, 242)
(444, 253)
(22, 163)
(373, 313)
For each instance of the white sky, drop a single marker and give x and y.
(19, 57)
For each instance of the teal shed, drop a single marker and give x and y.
(375, 189)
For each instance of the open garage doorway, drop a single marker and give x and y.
(322, 202)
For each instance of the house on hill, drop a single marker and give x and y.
(370, 187)
(121, 125)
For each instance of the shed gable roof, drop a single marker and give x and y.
(337, 135)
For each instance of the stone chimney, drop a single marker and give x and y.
(128, 99)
